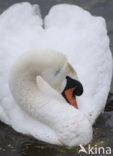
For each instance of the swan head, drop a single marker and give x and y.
(62, 77)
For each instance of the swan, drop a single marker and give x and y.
(55, 75)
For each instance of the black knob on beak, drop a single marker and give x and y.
(71, 83)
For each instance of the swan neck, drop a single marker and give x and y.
(24, 72)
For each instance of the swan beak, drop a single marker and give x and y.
(71, 99)
(73, 88)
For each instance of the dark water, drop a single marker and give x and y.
(15, 144)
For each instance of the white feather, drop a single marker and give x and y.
(83, 39)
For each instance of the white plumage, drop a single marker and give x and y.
(83, 39)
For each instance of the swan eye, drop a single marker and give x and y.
(57, 72)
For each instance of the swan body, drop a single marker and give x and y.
(30, 56)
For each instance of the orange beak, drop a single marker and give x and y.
(70, 98)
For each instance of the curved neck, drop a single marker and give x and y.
(24, 72)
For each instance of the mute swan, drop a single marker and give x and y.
(33, 81)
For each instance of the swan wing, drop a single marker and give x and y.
(20, 29)
(83, 39)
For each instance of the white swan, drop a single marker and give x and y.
(34, 107)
